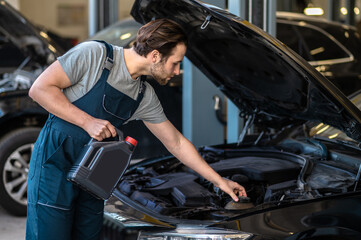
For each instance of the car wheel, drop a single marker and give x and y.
(15, 152)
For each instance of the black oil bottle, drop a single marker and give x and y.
(101, 165)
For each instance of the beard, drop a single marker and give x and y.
(159, 74)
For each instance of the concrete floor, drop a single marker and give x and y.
(11, 227)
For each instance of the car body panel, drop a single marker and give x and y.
(335, 215)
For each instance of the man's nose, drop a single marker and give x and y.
(177, 70)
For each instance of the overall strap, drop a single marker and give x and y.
(108, 63)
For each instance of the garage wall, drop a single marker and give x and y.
(46, 13)
(124, 8)
(14, 3)
(66, 17)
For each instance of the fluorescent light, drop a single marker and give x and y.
(333, 136)
(313, 11)
(53, 49)
(125, 36)
(317, 51)
(44, 35)
(319, 126)
(322, 130)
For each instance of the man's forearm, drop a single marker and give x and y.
(46, 90)
(54, 101)
(187, 154)
(184, 150)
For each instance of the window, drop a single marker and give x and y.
(312, 43)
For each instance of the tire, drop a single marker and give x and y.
(15, 152)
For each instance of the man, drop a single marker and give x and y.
(89, 91)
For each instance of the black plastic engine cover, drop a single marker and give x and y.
(267, 169)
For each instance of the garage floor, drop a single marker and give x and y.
(11, 227)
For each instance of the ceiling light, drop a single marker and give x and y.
(333, 136)
(125, 36)
(313, 11)
(44, 35)
(356, 10)
(343, 10)
(322, 130)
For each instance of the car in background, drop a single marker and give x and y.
(65, 43)
(300, 188)
(25, 51)
(321, 130)
(334, 49)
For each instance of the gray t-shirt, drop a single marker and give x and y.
(83, 66)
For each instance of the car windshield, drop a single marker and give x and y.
(324, 130)
(122, 33)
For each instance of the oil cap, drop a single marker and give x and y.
(131, 140)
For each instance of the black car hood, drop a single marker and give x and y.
(256, 71)
(16, 28)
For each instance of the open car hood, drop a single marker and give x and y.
(15, 28)
(262, 76)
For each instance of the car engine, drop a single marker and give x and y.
(271, 176)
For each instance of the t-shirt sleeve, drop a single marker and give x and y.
(77, 61)
(150, 108)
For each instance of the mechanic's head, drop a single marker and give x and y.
(162, 35)
(163, 42)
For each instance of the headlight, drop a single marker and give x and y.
(195, 234)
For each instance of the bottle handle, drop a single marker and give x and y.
(120, 136)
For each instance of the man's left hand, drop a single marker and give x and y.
(233, 189)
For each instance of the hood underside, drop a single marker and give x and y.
(19, 31)
(257, 72)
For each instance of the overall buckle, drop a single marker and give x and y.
(108, 63)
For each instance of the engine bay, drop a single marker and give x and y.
(271, 176)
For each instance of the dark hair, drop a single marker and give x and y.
(162, 35)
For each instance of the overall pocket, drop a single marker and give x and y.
(117, 104)
(54, 189)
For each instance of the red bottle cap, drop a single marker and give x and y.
(131, 141)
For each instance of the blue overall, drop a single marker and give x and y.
(58, 209)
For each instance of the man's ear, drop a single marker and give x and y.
(155, 56)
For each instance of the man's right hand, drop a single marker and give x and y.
(100, 129)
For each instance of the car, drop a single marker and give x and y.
(24, 53)
(321, 130)
(21, 119)
(298, 188)
(332, 48)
